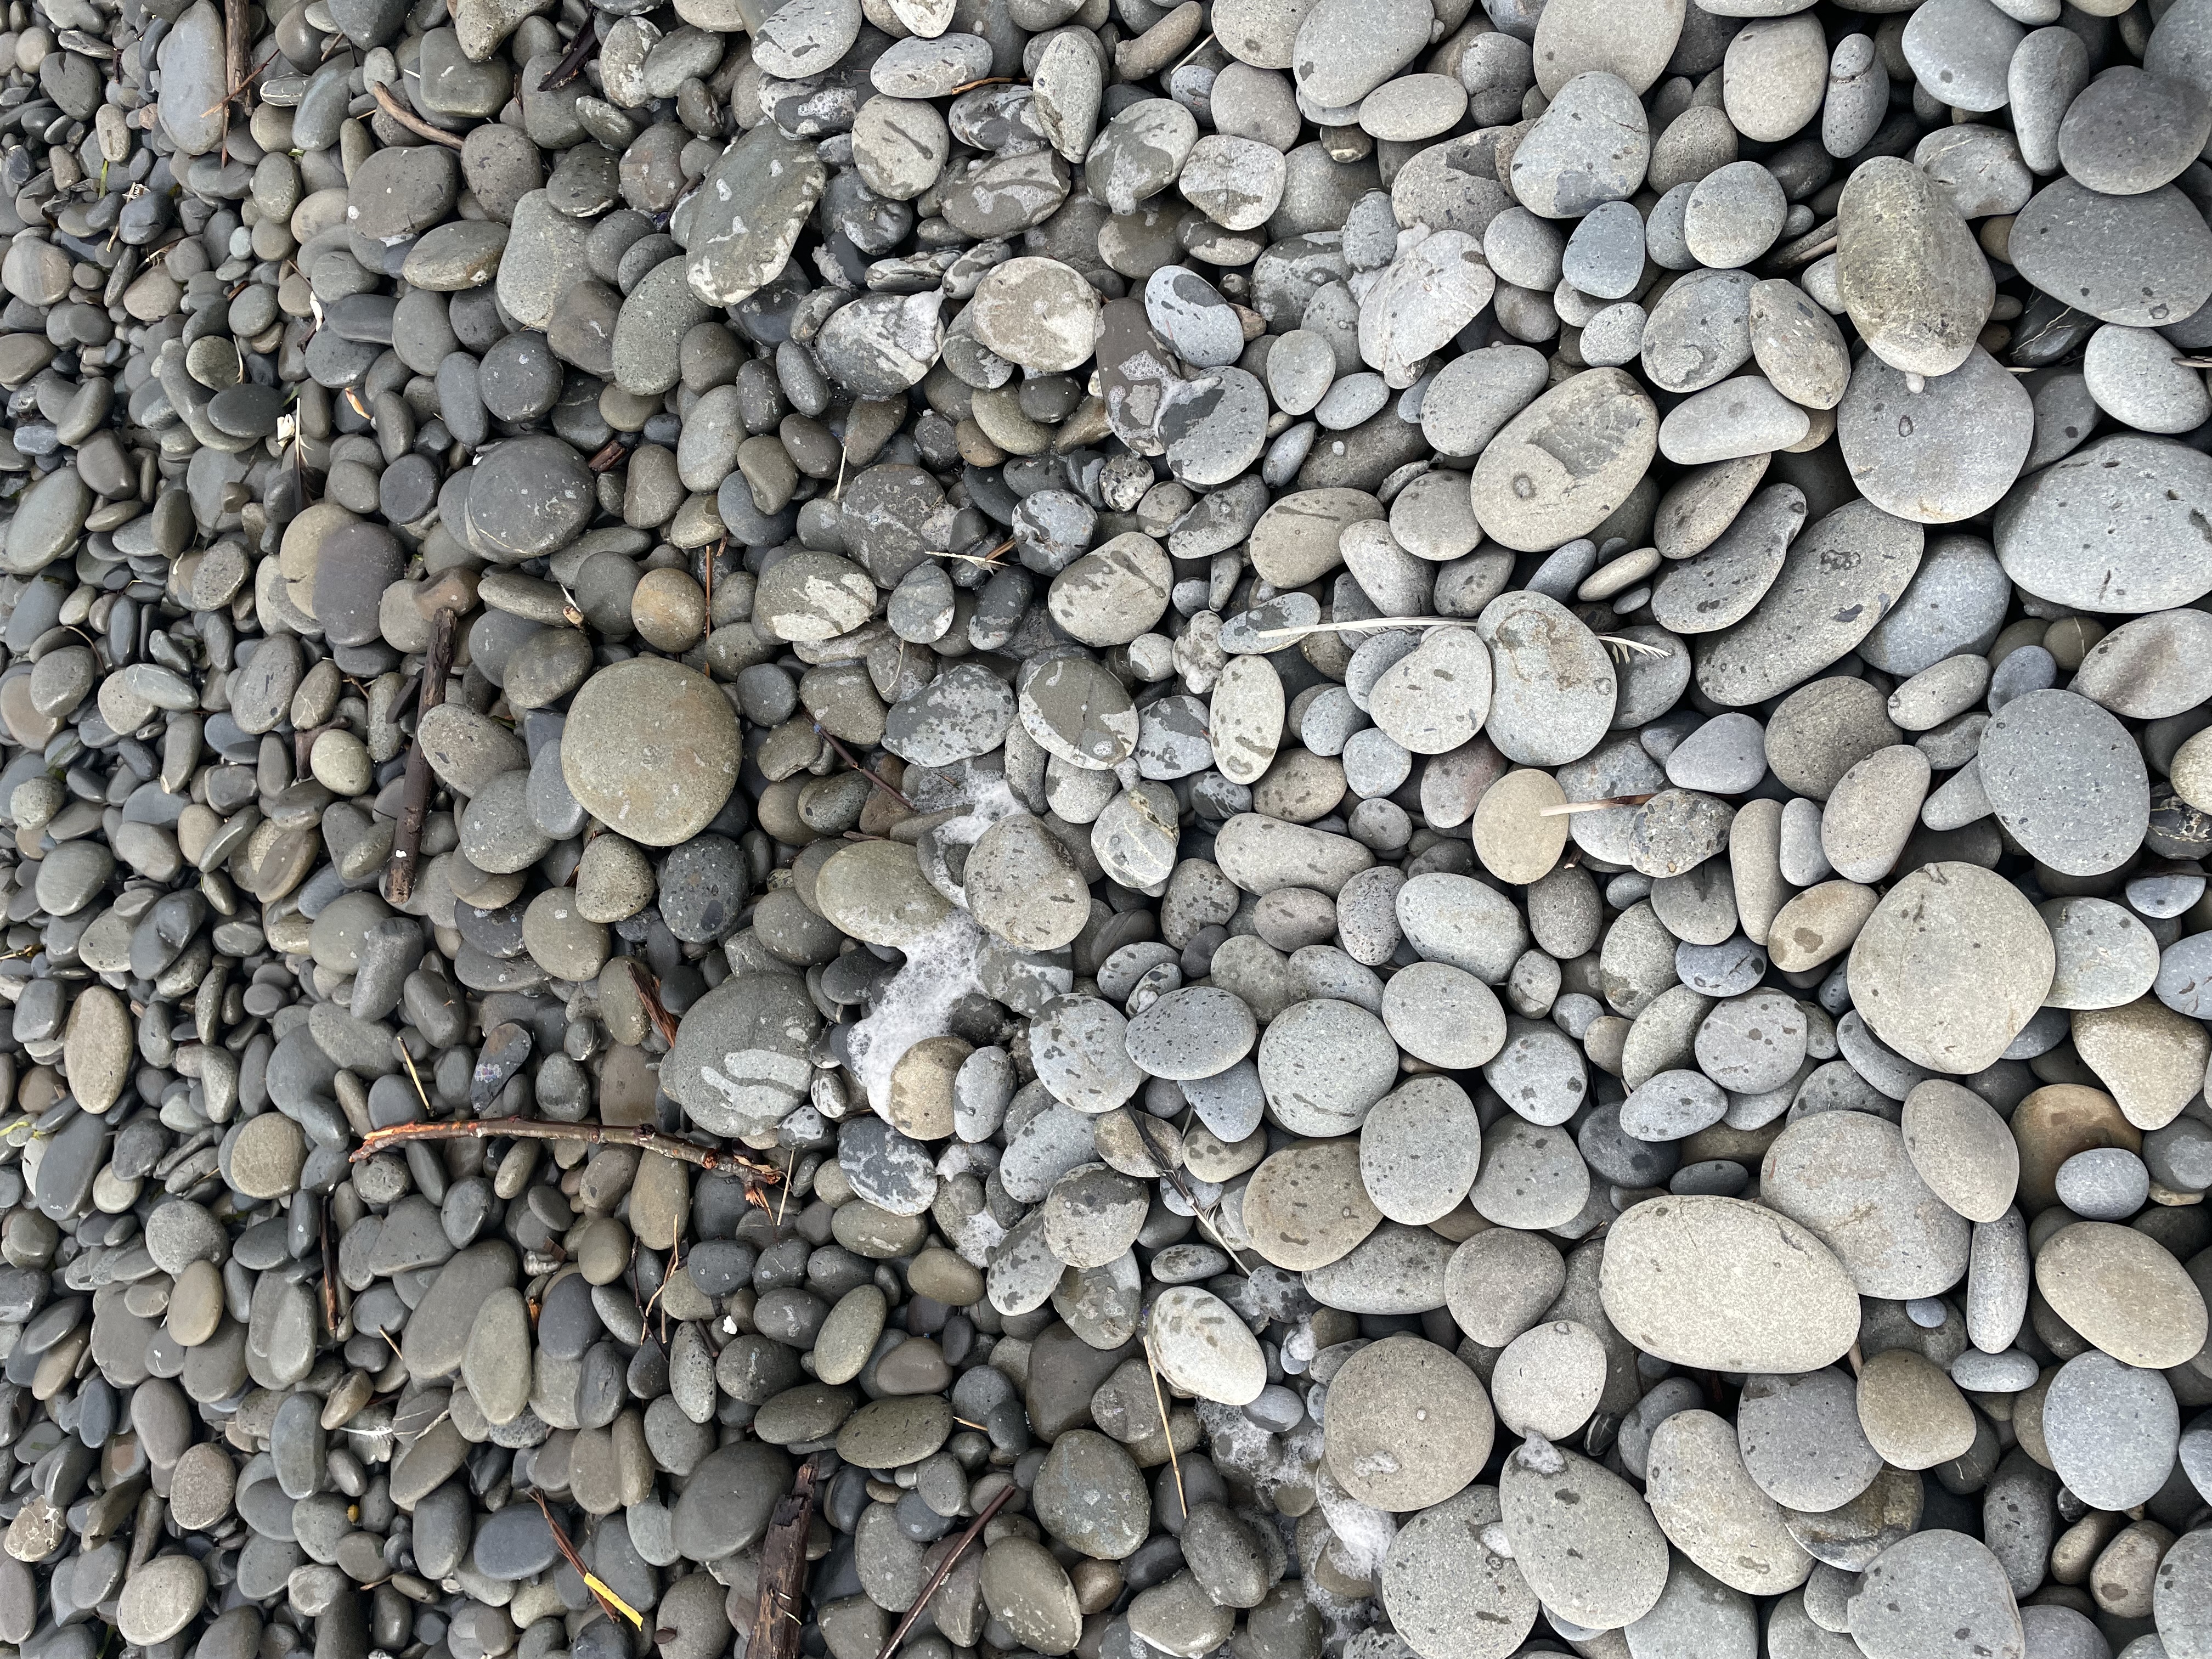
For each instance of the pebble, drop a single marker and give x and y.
(912, 491)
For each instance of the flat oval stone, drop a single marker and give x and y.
(2111, 527)
(1934, 1581)
(2121, 1291)
(1582, 1536)
(1844, 576)
(1306, 1207)
(2066, 780)
(1705, 1500)
(1962, 1149)
(1447, 1594)
(1845, 1175)
(1723, 1284)
(1566, 463)
(2144, 260)
(1204, 1349)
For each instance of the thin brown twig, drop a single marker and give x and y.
(329, 1268)
(854, 761)
(944, 1570)
(609, 1602)
(1160, 1159)
(593, 1134)
(408, 119)
(987, 81)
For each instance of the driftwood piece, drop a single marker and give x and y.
(407, 838)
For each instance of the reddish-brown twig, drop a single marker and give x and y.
(753, 1174)
(944, 1569)
(413, 123)
(854, 761)
(611, 1604)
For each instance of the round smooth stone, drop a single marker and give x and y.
(1802, 1442)
(2110, 527)
(658, 777)
(1946, 452)
(1323, 1063)
(1306, 1206)
(2112, 1431)
(2067, 783)
(1515, 839)
(1929, 1581)
(1407, 1424)
(1418, 1149)
(1199, 1031)
(2105, 956)
(1036, 312)
(1951, 966)
(1444, 1015)
(1554, 692)
(2105, 1183)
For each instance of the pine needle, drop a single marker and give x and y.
(1167, 1427)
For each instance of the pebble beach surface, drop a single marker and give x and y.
(1248, 830)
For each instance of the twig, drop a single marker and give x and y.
(611, 1604)
(415, 1075)
(944, 1570)
(603, 458)
(987, 81)
(407, 840)
(1361, 623)
(853, 761)
(235, 43)
(1567, 809)
(592, 1134)
(648, 992)
(572, 61)
(782, 1570)
(329, 1268)
(1160, 1160)
(1167, 1427)
(408, 119)
(252, 75)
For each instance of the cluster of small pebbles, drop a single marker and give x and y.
(1408, 804)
